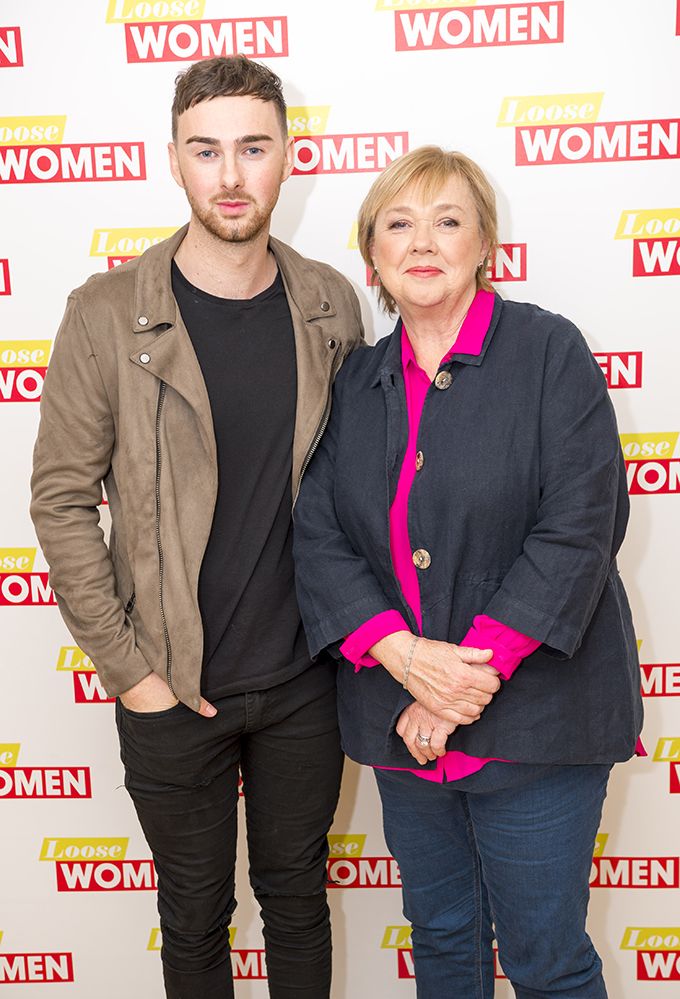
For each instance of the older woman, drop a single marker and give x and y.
(456, 532)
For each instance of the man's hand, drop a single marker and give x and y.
(449, 680)
(416, 720)
(153, 694)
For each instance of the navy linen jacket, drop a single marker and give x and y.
(522, 505)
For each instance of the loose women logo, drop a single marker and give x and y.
(120, 245)
(603, 142)
(151, 40)
(668, 751)
(316, 152)
(105, 875)
(492, 25)
(650, 465)
(87, 687)
(553, 108)
(656, 240)
(23, 364)
(11, 52)
(83, 847)
(660, 679)
(21, 968)
(347, 868)
(40, 782)
(622, 369)
(509, 263)
(19, 585)
(632, 872)
(658, 952)
(32, 152)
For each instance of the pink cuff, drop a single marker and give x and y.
(356, 645)
(509, 647)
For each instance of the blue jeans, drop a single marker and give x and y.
(511, 846)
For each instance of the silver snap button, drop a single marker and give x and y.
(325, 306)
(443, 380)
(143, 321)
(144, 358)
(332, 344)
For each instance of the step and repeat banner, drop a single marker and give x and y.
(572, 109)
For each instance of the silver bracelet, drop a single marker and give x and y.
(409, 660)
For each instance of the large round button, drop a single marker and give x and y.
(143, 320)
(443, 380)
(420, 460)
(421, 559)
(144, 358)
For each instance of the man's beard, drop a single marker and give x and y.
(233, 230)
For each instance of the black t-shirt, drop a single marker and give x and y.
(246, 349)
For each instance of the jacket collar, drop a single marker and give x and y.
(155, 304)
(392, 360)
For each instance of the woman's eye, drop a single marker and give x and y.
(398, 224)
(447, 223)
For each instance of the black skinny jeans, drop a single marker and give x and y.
(182, 770)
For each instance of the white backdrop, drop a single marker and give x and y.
(569, 106)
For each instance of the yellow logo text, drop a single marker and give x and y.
(397, 938)
(71, 657)
(32, 130)
(551, 108)
(127, 242)
(308, 120)
(84, 848)
(9, 753)
(17, 559)
(120, 11)
(25, 353)
(346, 846)
(600, 844)
(637, 447)
(648, 223)
(667, 750)
(651, 938)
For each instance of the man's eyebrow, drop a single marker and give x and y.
(242, 140)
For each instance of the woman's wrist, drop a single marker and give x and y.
(392, 652)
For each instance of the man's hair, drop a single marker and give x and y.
(428, 168)
(227, 76)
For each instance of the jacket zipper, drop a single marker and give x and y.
(168, 647)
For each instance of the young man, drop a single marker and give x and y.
(195, 383)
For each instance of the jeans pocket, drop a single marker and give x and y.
(163, 713)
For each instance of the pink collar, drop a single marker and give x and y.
(470, 339)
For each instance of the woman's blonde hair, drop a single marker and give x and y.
(428, 168)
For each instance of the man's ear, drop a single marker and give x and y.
(174, 165)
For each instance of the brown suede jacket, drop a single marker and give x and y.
(125, 404)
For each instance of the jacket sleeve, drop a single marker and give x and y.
(71, 458)
(553, 587)
(337, 589)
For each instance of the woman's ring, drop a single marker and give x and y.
(423, 740)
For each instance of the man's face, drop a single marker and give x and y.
(231, 158)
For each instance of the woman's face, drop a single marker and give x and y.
(427, 250)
